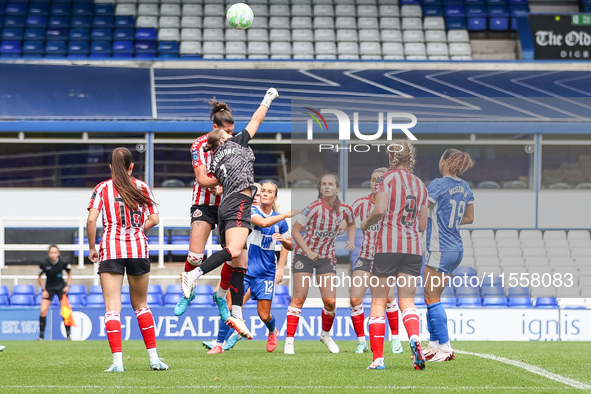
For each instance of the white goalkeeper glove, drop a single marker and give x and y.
(271, 95)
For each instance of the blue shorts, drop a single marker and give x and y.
(443, 262)
(260, 288)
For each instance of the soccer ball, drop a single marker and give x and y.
(240, 16)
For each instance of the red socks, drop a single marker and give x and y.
(410, 317)
(113, 327)
(377, 331)
(392, 313)
(293, 317)
(226, 275)
(327, 319)
(193, 261)
(146, 323)
(357, 317)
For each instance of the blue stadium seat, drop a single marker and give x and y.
(125, 55)
(125, 22)
(16, 9)
(155, 289)
(100, 48)
(60, 10)
(36, 22)
(80, 35)
(82, 10)
(179, 240)
(125, 299)
(495, 281)
(474, 2)
(4, 290)
(77, 56)
(4, 301)
(81, 22)
(174, 289)
(431, 3)
(171, 299)
(102, 35)
(40, 1)
(78, 48)
(77, 300)
(104, 10)
(454, 11)
(432, 10)
(204, 289)
(39, 9)
(14, 22)
(202, 300)
(82, 1)
(494, 3)
(102, 22)
(281, 290)
(122, 47)
(469, 302)
(23, 289)
(152, 240)
(519, 302)
(59, 21)
(281, 301)
(546, 303)
(123, 35)
(420, 302)
(146, 34)
(518, 2)
(12, 34)
(95, 300)
(492, 291)
(461, 270)
(56, 34)
(98, 56)
(412, 2)
(57, 48)
(154, 299)
(467, 291)
(125, 289)
(95, 289)
(22, 300)
(494, 302)
(34, 35)
(77, 289)
(145, 47)
(477, 24)
(452, 2)
(455, 23)
(498, 24)
(449, 302)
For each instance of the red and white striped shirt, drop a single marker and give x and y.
(399, 232)
(362, 209)
(123, 229)
(321, 224)
(202, 195)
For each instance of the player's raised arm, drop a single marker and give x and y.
(261, 112)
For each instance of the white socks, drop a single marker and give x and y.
(222, 293)
(152, 353)
(237, 311)
(196, 273)
(118, 358)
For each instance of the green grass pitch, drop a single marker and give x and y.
(58, 367)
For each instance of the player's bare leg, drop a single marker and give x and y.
(360, 280)
(328, 293)
(301, 283)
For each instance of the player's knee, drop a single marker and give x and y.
(297, 302)
(431, 300)
(356, 301)
(236, 252)
(265, 316)
(330, 304)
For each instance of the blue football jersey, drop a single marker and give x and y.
(449, 198)
(261, 250)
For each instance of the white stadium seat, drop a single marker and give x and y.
(235, 50)
(213, 50)
(301, 22)
(367, 23)
(370, 50)
(170, 10)
(278, 10)
(279, 22)
(192, 10)
(412, 24)
(346, 35)
(484, 243)
(554, 234)
(435, 36)
(258, 50)
(323, 10)
(191, 35)
(280, 50)
(324, 35)
(389, 23)
(322, 22)
(345, 23)
(190, 48)
(508, 243)
(391, 36)
(369, 35)
(434, 23)
(258, 35)
(125, 9)
(578, 234)
(506, 234)
(169, 35)
(148, 10)
(147, 21)
(388, 11)
(213, 34)
(367, 11)
(411, 11)
(458, 36)
(486, 234)
(235, 35)
(303, 50)
(413, 36)
(392, 51)
(279, 35)
(302, 35)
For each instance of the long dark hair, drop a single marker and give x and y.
(337, 203)
(121, 160)
(220, 113)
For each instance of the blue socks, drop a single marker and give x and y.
(438, 320)
(223, 332)
(430, 327)
(271, 324)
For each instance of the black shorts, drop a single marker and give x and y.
(302, 263)
(392, 264)
(54, 291)
(134, 267)
(234, 212)
(363, 265)
(205, 213)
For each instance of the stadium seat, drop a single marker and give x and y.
(123, 35)
(155, 289)
(12, 34)
(276, 35)
(82, 10)
(174, 289)
(125, 289)
(467, 292)
(22, 300)
(469, 302)
(38, 9)
(204, 290)
(146, 34)
(125, 299)
(494, 302)
(432, 11)
(34, 35)
(171, 299)
(81, 22)
(546, 303)
(492, 291)
(280, 50)
(123, 47)
(23, 289)
(103, 22)
(124, 22)
(4, 290)
(4, 301)
(95, 300)
(191, 35)
(56, 34)
(77, 289)
(77, 300)
(79, 34)
(155, 299)
(95, 289)
(102, 34)
(519, 302)
(452, 23)
(202, 300)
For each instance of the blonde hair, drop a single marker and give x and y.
(405, 156)
(214, 138)
(381, 170)
(456, 161)
(275, 205)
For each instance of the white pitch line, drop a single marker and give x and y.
(531, 368)
(93, 387)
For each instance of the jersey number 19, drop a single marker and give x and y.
(460, 208)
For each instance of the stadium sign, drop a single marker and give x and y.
(561, 36)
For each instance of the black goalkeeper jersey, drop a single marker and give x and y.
(54, 273)
(232, 163)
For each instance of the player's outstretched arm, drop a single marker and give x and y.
(261, 112)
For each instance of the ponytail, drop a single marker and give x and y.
(456, 162)
(121, 160)
(220, 113)
(401, 152)
(337, 202)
